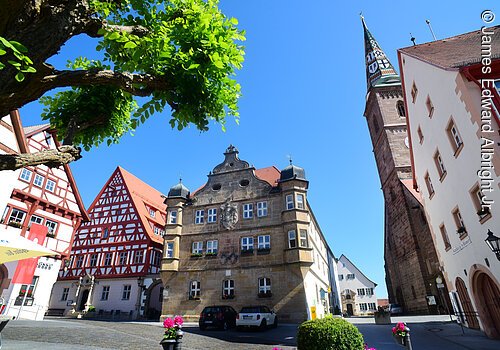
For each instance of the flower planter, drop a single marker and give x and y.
(382, 318)
(400, 340)
(171, 344)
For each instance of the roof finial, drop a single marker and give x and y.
(180, 178)
(289, 158)
(412, 38)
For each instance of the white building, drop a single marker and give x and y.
(452, 115)
(356, 290)
(43, 199)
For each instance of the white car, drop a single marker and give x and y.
(256, 316)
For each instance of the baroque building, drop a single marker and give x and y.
(248, 236)
(411, 262)
(451, 89)
(115, 261)
(41, 204)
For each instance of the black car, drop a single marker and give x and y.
(219, 316)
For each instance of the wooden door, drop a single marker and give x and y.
(470, 313)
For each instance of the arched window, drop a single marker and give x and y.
(400, 106)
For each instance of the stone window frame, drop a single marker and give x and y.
(484, 214)
(438, 160)
(247, 210)
(126, 291)
(428, 183)
(211, 215)
(194, 289)
(228, 288)
(105, 292)
(212, 246)
(300, 203)
(65, 293)
(445, 237)
(262, 209)
(197, 247)
(400, 107)
(459, 222)
(246, 247)
(172, 216)
(292, 238)
(265, 244)
(199, 217)
(264, 287)
(289, 203)
(303, 238)
(454, 137)
(169, 249)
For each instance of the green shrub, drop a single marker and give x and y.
(329, 334)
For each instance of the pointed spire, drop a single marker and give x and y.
(379, 71)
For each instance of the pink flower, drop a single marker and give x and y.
(178, 321)
(168, 323)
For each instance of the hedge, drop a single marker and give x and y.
(329, 334)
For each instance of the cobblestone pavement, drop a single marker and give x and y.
(58, 334)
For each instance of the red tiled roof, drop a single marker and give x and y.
(143, 196)
(35, 129)
(270, 174)
(409, 186)
(457, 51)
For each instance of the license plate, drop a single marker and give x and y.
(208, 321)
(246, 317)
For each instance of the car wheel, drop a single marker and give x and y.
(225, 326)
(263, 324)
(202, 328)
(239, 328)
(275, 324)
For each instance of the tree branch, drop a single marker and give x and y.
(52, 158)
(93, 29)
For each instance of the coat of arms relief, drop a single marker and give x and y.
(229, 214)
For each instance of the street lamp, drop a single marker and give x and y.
(493, 243)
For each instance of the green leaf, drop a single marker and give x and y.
(2, 65)
(130, 45)
(19, 77)
(20, 47)
(194, 66)
(2, 52)
(113, 36)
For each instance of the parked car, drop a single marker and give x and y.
(219, 316)
(395, 309)
(256, 316)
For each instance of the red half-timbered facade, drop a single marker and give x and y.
(116, 256)
(35, 197)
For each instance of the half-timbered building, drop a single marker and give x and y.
(38, 203)
(115, 262)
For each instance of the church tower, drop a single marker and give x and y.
(411, 262)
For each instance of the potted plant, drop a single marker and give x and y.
(461, 230)
(266, 294)
(196, 255)
(483, 212)
(227, 296)
(173, 333)
(382, 316)
(210, 254)
(15, 224)
(399, 332)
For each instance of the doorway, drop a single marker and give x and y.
(487, 298)
(83, 300)
(349, 310)
(463, 294)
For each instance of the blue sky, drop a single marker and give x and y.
(304, 91)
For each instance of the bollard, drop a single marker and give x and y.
(408, 341)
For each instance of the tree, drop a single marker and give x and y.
(177, 53)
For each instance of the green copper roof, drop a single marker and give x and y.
(379, 71)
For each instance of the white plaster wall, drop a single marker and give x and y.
(461, 170)
(313, 285)
(7, 178)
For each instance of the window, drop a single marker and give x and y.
(361, 291)
(93, 260)
(414, 92)
(363, 307)
(477, 199)
(454, 136)
(156, 258)
(440, 165)
(303, 239)
(264, 242)
(105, 293)
(212, 215)
(372, 306)
(17, 216)
(400, 106)
(127, 288)
(79, 261)
(350, 276)
(300, 201)
(123, 258)
(64, 295)
(172, 217)
(369, 291)
(152, 212)
(212, 247)
(264, 285)
(460, 223)
(446, 239)
(430, 107)
(428, 182)
(25, 175)
(107, 259)
(341, 277)
(27, 290)
(289, 202)
(105, 233)
(199, 217)
(50, 185)
(228, 289)
(197, 248)
(35, 219)
(169, 251)
(38, 180)
(138, 256)
(194, 290)
(420, 135)
(292, 239)
(247, 243)
(247, 211)
(51, 226)
(261, 209)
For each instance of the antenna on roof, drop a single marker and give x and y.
(430, 27)
(289, 158)
(412, 38)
